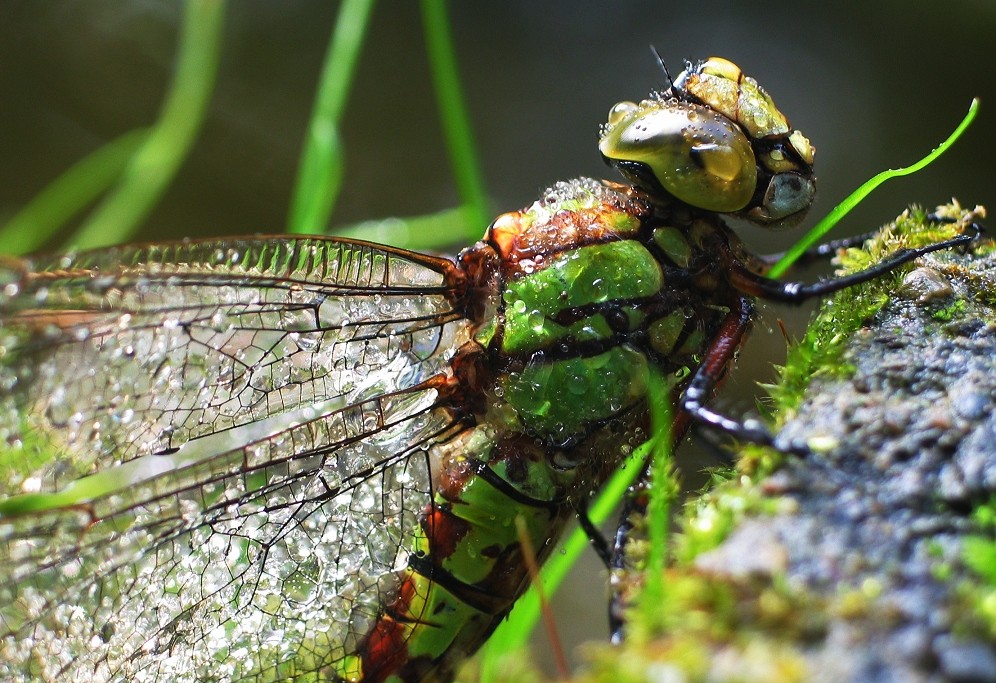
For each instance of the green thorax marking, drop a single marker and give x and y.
(558, 399)
(617, 271)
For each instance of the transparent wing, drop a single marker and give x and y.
(213, 454)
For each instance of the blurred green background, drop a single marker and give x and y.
(873, 85)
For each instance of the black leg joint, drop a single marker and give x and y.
(595, 536)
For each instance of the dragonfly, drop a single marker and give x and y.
(277, 458)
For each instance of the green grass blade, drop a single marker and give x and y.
(856, 197)
(319, 173)
(663, 493)
(455, 120)
(516, 631)
(439, 232)
(40, 219)
(154, 165)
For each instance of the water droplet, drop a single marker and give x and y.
(536, 320)
(218, 322)
(577, 384)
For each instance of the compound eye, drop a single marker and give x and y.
(786, 200)
(696, 154)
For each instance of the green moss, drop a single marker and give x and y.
(753, 625)
(856, 602)
(710, 518)
(819, 352)
(979, 555)
(948, 313)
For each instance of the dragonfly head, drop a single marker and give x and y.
(715, 141)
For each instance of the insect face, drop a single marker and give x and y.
(716, 141)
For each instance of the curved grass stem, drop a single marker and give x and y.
(153, 166)
(319, 172)
(866, 188)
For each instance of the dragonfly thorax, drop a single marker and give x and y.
(592, 286)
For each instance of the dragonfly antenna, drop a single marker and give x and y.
(660, 61)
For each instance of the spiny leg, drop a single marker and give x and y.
(595, 536)
(692, 405)
(744, 279)
(829, 249)
(712, 371)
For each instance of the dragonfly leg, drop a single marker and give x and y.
(712, 371)
(692, 406)
(634, 507)
(597, 539)
(749, 282)
(829, 249)
(711, 444)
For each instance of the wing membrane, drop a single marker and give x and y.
(216, 453)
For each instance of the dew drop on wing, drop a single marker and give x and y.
(59, 412)
(219, 321)
(307, 341)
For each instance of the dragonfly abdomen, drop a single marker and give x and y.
(466, 569)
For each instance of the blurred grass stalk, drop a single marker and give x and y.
(40, 219)
(320, 170)
(664, 491)
(455, 120)
(136, 169)
(142, 163)
(516, 631)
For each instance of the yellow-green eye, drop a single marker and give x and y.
(785, 201)
(696, 154)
